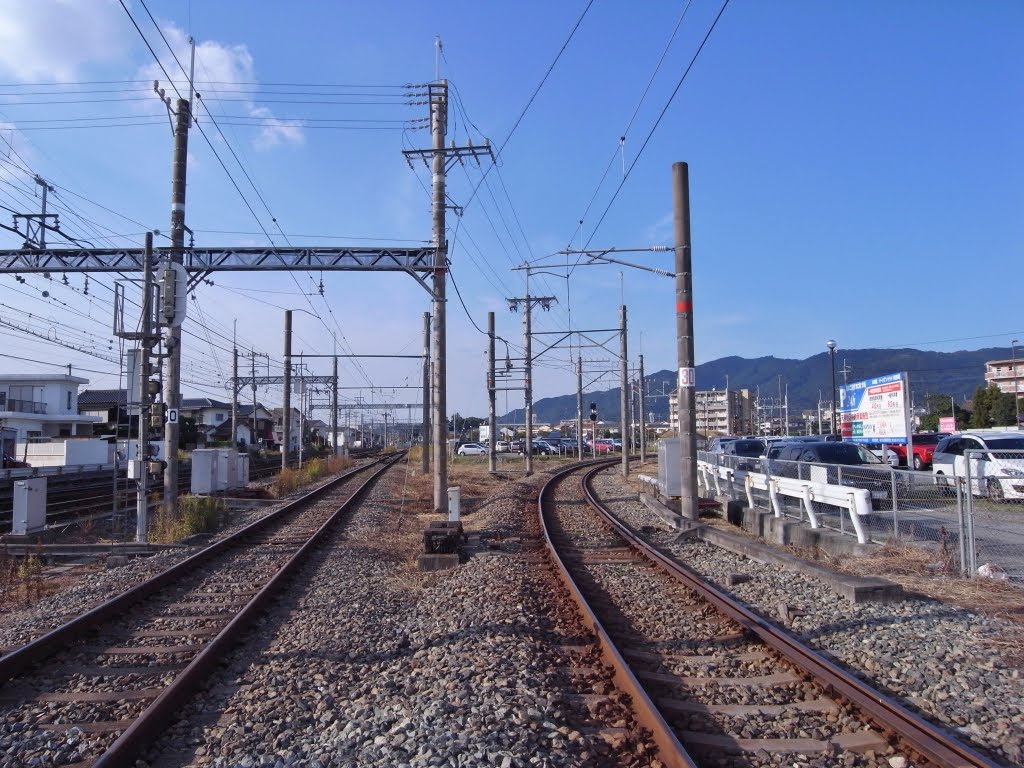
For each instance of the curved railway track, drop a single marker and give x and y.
(714, 683)
(102, 686)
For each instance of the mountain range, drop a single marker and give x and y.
(805, 381)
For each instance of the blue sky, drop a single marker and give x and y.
(855, 174)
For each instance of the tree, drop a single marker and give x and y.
(942, 405)
(992, 408)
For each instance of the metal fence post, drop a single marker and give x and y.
(961, 515)
(895, 515)
(972, 553)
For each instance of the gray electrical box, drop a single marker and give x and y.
(669, 467)
(29, 506)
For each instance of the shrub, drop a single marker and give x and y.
(196, 514)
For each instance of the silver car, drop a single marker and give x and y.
(996, 463)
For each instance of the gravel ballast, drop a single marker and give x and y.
(940, 660)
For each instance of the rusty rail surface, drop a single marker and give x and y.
(927, 739)
(670, 751)
(17, 661)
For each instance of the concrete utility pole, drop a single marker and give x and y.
(286, 411)
(172, 377)
(623, 391)
(579, 406)
(438, 127)
(425, 456)
(528, 302)
(643, 413)
(334, 409)
(492, 416)
(145, 343)
(688, 502)
(234, 398)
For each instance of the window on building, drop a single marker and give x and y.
(219, 418)
(69, 400)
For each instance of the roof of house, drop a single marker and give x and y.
(40, 378)
(203, 402)
(102, 397)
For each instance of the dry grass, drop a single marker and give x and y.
(196, 514)
(933, 574)
(291, 480)
(22, 581)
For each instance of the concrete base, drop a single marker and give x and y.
(45, 536)
(856, 589)
(436, 562)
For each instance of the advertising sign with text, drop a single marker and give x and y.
(875, 411)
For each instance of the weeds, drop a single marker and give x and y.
(196, 514)
(21, 578)
(290, 480)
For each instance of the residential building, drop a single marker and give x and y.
(108, 405)
(43, 405)
(279, 428)
(1008, 375)
(718, 411)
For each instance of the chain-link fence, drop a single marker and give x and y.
(964, 530)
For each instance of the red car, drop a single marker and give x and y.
(924, 448)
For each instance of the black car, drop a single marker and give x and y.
(749, 447)
(843, 463)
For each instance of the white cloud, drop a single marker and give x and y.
(55, 39)
(221, 67)
(275, 131)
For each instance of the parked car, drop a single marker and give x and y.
(924, 447)
(892, 458)
(603, 445)
(865, 475)
(750, 447)
(996, 475)
(717, 444)
(502, 446)
(544, 447)
(518, 446)
(471, 449)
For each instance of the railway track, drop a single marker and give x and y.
(714, 683)
(98, 689)
(72, 499)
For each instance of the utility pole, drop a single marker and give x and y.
(438, 127)
(145, 343)
(302, 407)
(234, 398)
(528, 302)
(172, 377)
(492, 416)
(334, 408)
(643, 413)
(286, 411)
(579, 406)
(688, 501)
(425, 442)
(623, 390)
(252, 434)
(439, 156)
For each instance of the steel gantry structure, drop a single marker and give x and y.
(428, 264)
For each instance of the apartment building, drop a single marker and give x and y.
(719, 411)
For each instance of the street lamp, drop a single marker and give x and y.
(1016, 397)
(831, 344)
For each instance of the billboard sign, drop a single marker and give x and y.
(875, 411)
(947, 424)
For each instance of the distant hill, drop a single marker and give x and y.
(951, 373)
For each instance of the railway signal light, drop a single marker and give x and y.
(593, 411)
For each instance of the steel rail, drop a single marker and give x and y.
(154, 720)
(927, 739)
(17, 661)
(671, 752)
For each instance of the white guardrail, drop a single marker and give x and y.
(856, 501)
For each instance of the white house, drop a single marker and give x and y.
(43, 405)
